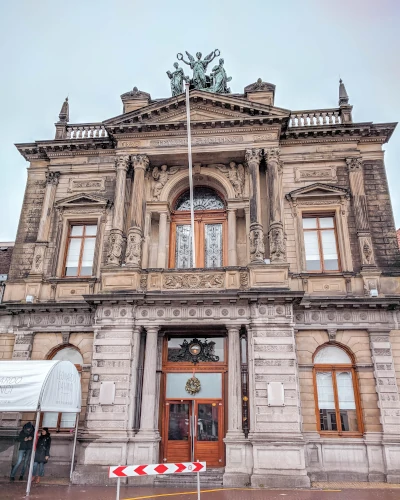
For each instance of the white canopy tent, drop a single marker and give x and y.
(40, 386)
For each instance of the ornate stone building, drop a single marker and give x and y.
(276, 359)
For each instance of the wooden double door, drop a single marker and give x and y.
(194, 431)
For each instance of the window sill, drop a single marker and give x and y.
(74, 279)
(334, 434)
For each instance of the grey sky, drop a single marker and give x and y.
(94, 51)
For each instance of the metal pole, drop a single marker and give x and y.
(190, 173)
(28, 485)
(74, 447)
(198, 486)
(118, 486)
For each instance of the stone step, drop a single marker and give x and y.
(212, 477)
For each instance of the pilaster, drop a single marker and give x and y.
(257, 248)
(276, 233)
(232, 240)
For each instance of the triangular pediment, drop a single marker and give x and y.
(82, 199)
(204, 107)
(317, 190)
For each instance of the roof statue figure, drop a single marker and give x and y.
(201, 81)
(219, 79)
(177, 77)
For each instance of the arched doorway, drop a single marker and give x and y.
(210, 230)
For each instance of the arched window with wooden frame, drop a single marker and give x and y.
(210, 226)
(63, 421)
(337, 397)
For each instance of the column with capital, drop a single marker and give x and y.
(52, 179)
(232, 240)
(116, 239)
(276, 233)
(133, 254)
(356, 178)
(257, 249)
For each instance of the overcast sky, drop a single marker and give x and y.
(93, 51)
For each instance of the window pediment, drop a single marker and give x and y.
(318, 190)
(83, 200)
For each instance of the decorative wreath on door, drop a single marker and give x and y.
(193, 385)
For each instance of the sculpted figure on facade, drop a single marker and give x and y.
(133, 254)
(277, 244)
(199, 67)
(177, 78)
(235, 174)
(115, 244)
(219, 79)
(257, 248)
(160, 176)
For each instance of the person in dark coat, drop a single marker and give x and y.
(42, 454)
(25, 439)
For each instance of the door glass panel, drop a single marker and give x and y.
(213, 245)
(347, 404)
(207, 422)
(178, 428)
(326, 402)
(183, 253)
(211, 385)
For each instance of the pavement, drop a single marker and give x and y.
(320, 491)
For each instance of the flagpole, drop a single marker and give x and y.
(190, 174)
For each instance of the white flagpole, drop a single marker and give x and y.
(190, 174)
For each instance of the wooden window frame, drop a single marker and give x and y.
(318, 230)
(58, 427)
(83, 237)
(333, 368)
(201, 218)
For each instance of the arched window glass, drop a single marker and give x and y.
(63, 421)
(337, 404)
(203, 199)
(209, 228)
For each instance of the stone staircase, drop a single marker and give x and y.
(212, 478)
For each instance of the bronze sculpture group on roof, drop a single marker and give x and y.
(215, 82)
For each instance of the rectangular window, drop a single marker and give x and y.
(80, 250)
(58, 421)
(320, 243)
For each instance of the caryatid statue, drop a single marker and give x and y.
(177, 78)
(199, 67)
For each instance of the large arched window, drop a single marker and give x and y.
(210, 230)
(63, 421)
(336, 393)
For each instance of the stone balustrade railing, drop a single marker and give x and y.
(314, 118)
(86, 131)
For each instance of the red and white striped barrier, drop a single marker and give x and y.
(118, 471)
(152, 469)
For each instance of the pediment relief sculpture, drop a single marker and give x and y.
(318, 190)
(82, 200)
(160, 177)
(236, 175)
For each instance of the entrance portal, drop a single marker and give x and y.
(193, 421)
(194, 431)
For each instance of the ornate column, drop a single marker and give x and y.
(234, 385)
(149, 389)
(133, 254)
(356, 178)
(232, 240)
(162, 240)
(52, 179)
(257, 249)
(115, 242)
(276, 234)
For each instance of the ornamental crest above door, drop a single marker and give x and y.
(194, 351)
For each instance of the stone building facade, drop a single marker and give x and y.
(277, 358)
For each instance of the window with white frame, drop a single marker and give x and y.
(80, 250)
(320, 243)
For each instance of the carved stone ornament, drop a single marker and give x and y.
(133, 255)
(122, 162)
(65, 337)
(332, 334)
(52, 178)
(143, 282)
(253, 156)
(193, 386)
(277, 243)
(140, 162)
(367, 254)
(259, 86)
(273, 155)
(160, 176)
(193, 281)
(194, 351)
(235, 174)
(257, 248)
(354, 163)
(115, 244)
(38, 260)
